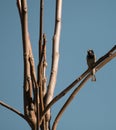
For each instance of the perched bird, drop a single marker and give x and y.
(91, 59)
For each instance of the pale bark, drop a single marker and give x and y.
(30, 81)
(55, 55)
(44, 65)
(40, 66)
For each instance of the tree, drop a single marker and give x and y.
(38, 95)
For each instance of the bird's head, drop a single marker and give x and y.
(90, 52)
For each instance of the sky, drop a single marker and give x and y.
(86, 24)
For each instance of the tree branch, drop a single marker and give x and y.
(41, 27)
(39, 88)
(40, 81)
(99, 64)
(55, 55)
(19, 9)
(44, 65)
(55, 123)
(25, 38)
(31, 59)
(15, 111)
(30, 81)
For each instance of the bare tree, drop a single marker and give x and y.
(38, 95)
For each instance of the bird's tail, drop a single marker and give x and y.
(93, 76)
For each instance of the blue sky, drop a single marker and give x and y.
(85, 24)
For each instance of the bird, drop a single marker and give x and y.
(91, 59)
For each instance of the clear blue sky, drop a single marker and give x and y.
(85, 24)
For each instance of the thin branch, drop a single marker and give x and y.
(39, 88)
(40, 91)
(65, 91)
(44, 125)
(19, 9)
(44, 65)
(104, 60)
(55, 55)
(74, 93)
(33, 74)
(40, 80)
(41, 27)
(15, 111)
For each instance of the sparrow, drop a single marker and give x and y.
(91, 59)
